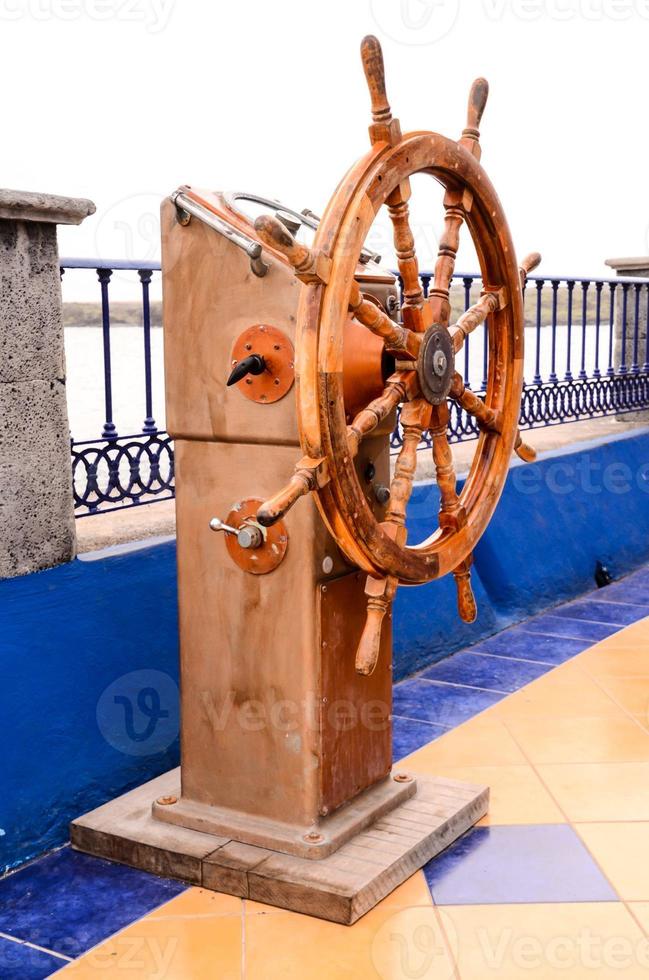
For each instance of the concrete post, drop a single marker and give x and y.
(36, 506)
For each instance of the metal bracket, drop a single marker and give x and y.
(187, 208)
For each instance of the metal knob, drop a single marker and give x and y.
(248, 535)
(216, 524)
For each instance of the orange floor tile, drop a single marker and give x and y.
(568, 751)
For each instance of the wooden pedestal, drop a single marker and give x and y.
(341, 887)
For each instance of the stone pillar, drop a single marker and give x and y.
(637, 268)
(36, 505)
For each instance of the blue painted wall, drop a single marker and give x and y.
(70, 640)
(555, 519)
(88, 651)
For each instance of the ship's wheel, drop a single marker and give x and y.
(424, 344)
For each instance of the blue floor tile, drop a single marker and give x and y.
(579, 629)
(441, 704)
(20, 962)
(492, 673)
(68, 901)
(530, 863)
(518, 642)
(409, 735)
(599, 611)
(627, 590)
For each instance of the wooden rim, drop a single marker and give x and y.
(321, 321)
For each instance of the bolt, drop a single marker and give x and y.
(381, 493)
(402, 777)
(167, 800)
(313, 837)
(439, 363)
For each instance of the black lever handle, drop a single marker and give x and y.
(254, 364)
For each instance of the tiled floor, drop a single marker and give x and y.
(554, 882)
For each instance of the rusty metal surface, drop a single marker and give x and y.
(266, 558)
(278, 353)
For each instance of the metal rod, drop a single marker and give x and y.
(610, 370)
(553, 363)
(568, 375)
(251, 247)
(635, 367)
(149, 425)
(598, 321)
(584, 318)
(539, 297)
(109, 431)
(625, 303)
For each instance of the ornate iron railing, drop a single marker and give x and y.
(587, 356)
(115, 471)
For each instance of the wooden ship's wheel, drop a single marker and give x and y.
(424, 344)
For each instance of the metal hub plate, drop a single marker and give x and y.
(436, 364)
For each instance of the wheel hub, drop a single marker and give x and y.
(436, 364)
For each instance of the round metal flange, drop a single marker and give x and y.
(436, 364)
(276, 380)
(257, 560)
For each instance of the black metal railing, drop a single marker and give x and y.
(114, 471)
(586, 356)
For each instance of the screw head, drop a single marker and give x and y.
(313, 837)
(167, 800)
(439, 363)
(402, 777)
(327, 564)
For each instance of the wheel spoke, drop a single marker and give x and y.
(404, 245)
(457, 204)
(396, 338)
(399, 387)
(445, 264)
(486, 417)
(466, 604)
(415, 417)
(451, 512)
(490, 301)
(310, 474)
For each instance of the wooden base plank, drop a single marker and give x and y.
(340, 888)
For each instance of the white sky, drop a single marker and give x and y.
(122, 100)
